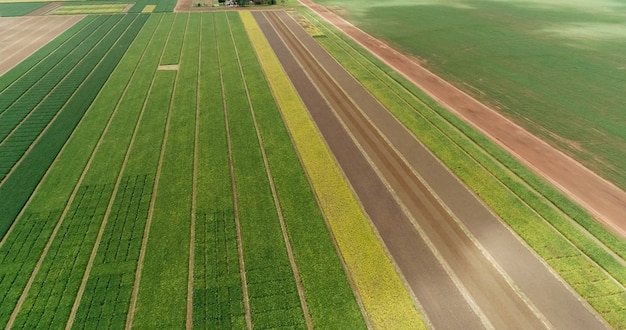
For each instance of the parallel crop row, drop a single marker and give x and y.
(18, 186)
(274, 300)
(361, 250)
(48, 305)
(164, 277)
(33, 230)
(46, 68)
(536, 211)
(329, 297)
(217, 296)
(26, 118)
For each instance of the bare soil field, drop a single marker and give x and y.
(22, 36)
(605, 201)
(479, 281)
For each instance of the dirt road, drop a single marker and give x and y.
(600, 197)
(461, 276)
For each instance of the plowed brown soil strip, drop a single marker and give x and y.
(34, 33)
(601, 198)
(503, 294)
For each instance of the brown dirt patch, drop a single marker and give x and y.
(22, 36)
(605, 201)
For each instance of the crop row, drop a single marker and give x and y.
(361, 250)
(47, 304)
(56, 190)
(42, 53)
(160, 6)
(270, 282)
(217, 295)
(89, 9)
(28, 123)
(502, 182)
(17, 187)
(35, 75)
(163, 288)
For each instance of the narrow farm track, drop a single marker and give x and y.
(383, 155)
(600, 197)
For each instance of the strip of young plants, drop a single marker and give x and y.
(35, 75)
(49, 301)
(24, 177)
(108, 289)
(516, 194)
(163, 289)
(21, 249)
(217, 297)
(365, 258)
(274, 300)
(24, 121)
(329, 296)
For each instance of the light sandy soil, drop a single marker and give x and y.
(22, 36)
(605, 201)
(464, 266)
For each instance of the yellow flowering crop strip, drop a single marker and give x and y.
(382, 293)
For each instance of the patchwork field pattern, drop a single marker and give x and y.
(178, 193)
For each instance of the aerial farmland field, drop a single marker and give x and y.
(555, 67)
(260, 169)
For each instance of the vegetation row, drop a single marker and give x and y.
(536, 211)
(170, 191)
(44, 103)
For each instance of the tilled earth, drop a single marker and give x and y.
(465, 268)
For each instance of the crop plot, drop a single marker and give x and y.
(171, 190)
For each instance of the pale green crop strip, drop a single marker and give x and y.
(386, 302)
(163, 290)
(329, 297)
(217, 296)
(479, 163)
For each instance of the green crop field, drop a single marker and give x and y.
(535, 210)
(160, 171)
(18, 8)
(170, 194)
(555, 67)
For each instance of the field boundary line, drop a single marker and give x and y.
(194, 190)
(109, 208)
(242, 265)
(57, 114)
(332, 215)
(144, 242)
(31, 280)
(528, 186)
(42, 179)
(486, 152)
(94, 21)
(279, 211)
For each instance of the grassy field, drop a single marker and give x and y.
(534, 209)
(176, 201)
(15, 8)
(555, 67)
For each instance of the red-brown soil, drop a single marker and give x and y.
(605, 201)
(464, 266)
(22, 36)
